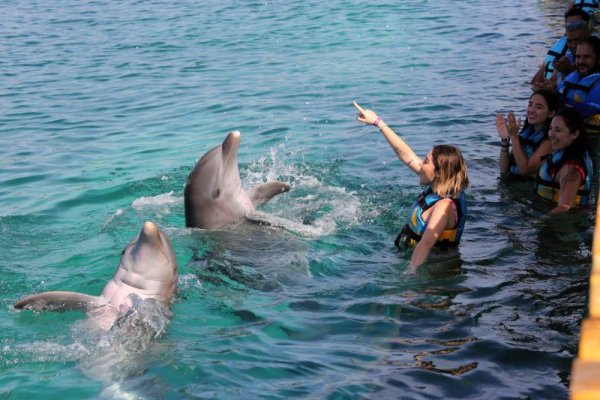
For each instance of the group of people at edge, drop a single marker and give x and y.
(551, 149)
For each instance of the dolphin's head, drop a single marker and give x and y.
(217, 170)
(151, 264)
(213, 191)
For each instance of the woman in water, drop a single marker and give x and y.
(531, 145)
(565, 178)
(438, 217)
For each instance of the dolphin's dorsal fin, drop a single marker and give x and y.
(262, 193)
(58, 301)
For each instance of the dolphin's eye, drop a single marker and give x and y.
(217, 193)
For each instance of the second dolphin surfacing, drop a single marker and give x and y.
(147, 269)
(213, 193)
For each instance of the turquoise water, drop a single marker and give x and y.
(107, 105)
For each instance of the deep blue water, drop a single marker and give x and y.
(105, 107)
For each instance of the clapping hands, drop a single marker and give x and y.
(509, 127)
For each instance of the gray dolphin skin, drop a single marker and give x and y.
(148, 269)
(213, 193)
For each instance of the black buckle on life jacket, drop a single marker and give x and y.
(406, 237)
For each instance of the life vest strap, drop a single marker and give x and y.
(408, 238)
(556, 186)
(577, 86)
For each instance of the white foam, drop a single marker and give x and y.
(159, 200)
(112, 217)
(186, 281)
(44, 351)
(334, 205)
(293, 226)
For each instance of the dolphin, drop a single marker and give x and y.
(213, 193)
(148, 270)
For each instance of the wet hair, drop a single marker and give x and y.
(577, 11)
(581, 144)
(448, 161)
(594, 42)
(554, 103)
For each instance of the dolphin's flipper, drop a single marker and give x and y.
(58, 301)
(278, 222)
(262, 193)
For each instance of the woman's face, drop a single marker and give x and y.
(427, 172)
(537, 110)
(560, 136)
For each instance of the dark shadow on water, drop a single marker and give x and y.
(565, 239)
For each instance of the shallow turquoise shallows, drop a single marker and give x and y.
(105, 106)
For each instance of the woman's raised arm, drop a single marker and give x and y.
(402, 150)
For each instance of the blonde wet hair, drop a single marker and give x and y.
(451, 167)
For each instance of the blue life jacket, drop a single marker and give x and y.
(548, 188)
(589, 6)
(581, 93)
(556, 52)
(530, 141)
(415, 227)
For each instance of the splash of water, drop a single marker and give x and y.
(312, 208)
(164, 199)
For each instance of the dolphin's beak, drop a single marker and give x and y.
(150, 235)
(231, 144)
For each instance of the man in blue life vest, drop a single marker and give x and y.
(580, 90)
(561, 56)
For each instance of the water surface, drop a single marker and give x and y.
(107, 105)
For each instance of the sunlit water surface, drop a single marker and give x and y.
(107, 105)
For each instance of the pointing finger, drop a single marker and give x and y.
(359, 108)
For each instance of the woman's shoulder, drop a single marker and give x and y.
(572, 168)
(445, 202)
